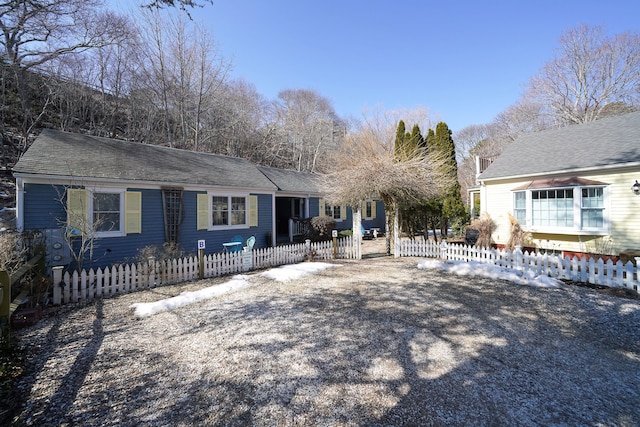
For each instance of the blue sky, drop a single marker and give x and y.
(465, 61)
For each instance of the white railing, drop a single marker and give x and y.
(596, 272)
(96, 283)
(296, 228)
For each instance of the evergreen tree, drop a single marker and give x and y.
(451, 203)
(415, 138)
(399, 144)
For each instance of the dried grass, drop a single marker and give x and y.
(518, 236)
(485, 226)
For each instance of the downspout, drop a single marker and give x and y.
(273, 219)
(19, 205)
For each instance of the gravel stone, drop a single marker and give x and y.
(374, 342)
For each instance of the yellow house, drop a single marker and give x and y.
(575, 189)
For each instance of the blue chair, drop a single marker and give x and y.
(235, 245)
(250, 242)
(366, 233)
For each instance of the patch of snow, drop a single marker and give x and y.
(491, 271)
(281, 274)
(296, 271)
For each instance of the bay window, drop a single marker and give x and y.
(577, 208)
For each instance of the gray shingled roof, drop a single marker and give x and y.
(292, 181)
(67, 154)
(614, 140)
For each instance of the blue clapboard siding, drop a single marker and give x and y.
(42, 207)
(44, 210)
(189, 234)
(314, 206)
(379, 220)
(347, 224)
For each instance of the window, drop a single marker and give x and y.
(333, 212)
(579, 208)
(217, 211)
(103, 212)
(368, 209)
(520, 206)
(220, 210)
(238, 210)
(552, 208)
(106, 212)
(228, 210)
(592, 208)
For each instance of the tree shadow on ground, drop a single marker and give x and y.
(382, 346)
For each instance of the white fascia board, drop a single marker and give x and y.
(71, 180)
(295, 194)
(608, 168)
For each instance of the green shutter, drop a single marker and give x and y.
(203, 212)
(374, 206)
(343, 212)
(321, 207)
(132, 212)
(253, 211)
(77, 215)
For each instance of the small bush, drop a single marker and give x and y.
(321, 228)
(13, 251)
(166, 251)
(485, 226)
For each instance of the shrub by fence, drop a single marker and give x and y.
(596, 272)
(95, 283)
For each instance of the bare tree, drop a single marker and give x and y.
(307, 128)
(489, 140)
(236, 125)
(366, 167)
(35, 33)
(182, 4)
(185, 73)
(589, 71)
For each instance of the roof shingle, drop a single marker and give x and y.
(65, 154)
(614, 140)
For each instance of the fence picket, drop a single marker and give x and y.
(553, 265)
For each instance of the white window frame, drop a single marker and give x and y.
(229, 196)
(368, 204)
(515, 209)
(90, 212)
(332, 209)
(577, 227)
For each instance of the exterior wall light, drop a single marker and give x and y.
(636, 187)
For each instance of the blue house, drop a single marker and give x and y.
(130, 196)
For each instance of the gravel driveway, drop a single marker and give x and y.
(371, 342)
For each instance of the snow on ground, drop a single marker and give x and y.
(472, 268)
(280, 274)
(296, 271)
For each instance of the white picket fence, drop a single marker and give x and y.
(96, 283)
(592, 271)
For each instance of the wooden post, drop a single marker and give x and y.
(334, 234)
(5, 296)
(201, 263)
(396, 230)
(57, 284)
(356, 226)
